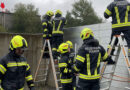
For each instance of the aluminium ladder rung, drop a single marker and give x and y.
(46, 52)
(43, 70)
(40, 81)
(108, 73)
(60, 87)
(42, 75)
(44, 64)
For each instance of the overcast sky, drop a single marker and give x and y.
(64, 5)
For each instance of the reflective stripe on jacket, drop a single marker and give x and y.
(14, 70)
(58, 24)
(120, 13)
(65, 69)
(88, 60)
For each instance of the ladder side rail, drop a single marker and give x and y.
(109, 51)
(124, 53)
(43, 48)
(52, 63)
(114, 66)
(47, 69)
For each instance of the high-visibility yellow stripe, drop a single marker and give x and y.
(105, 56)
(62, 65)
(44, 35)
(28, 67)
(16, 64)
(108, 12)
(50, 35)
(44, 23)
(88, 65)
(28, 78)
(98, 63)
(66, 70)
(59, 25)
(76, 69)
(74, 88)
(80, 58)
(2, 69)
(120, 25)
(59, 32)
(54, 49)
(83, 76)
(66, 80)
(117, 15)
(126, 15)
(31, 85)
(45, 30)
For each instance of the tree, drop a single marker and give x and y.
(82, 14)
(26, 19)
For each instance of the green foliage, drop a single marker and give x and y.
(26, 19)
(2, 29)
(82, 14)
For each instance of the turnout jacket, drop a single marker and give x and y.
(119, 10)
(47, 27)
(58, 24)
(14, 71)
(88, 60)
(65, 68)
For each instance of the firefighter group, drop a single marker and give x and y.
(14, 69)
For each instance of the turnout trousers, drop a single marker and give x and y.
(88, 84)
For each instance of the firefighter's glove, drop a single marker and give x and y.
(110, 61)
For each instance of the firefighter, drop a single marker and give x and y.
(14, 69)
(57, 33)
(47, 29)
(72, 59)
(65, 67)
(119, 11)
(47, 25)
(88, 59)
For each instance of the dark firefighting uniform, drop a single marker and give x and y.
(57, 33)
(119, 10)
(65, 72)
(47, 31)
(47, 27)
(14, 71)
(88, 64)
(72, 58)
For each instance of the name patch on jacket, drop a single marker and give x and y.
(121, 3)
(92, 49)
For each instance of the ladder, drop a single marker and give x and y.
(120, 46)
(43, 67)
